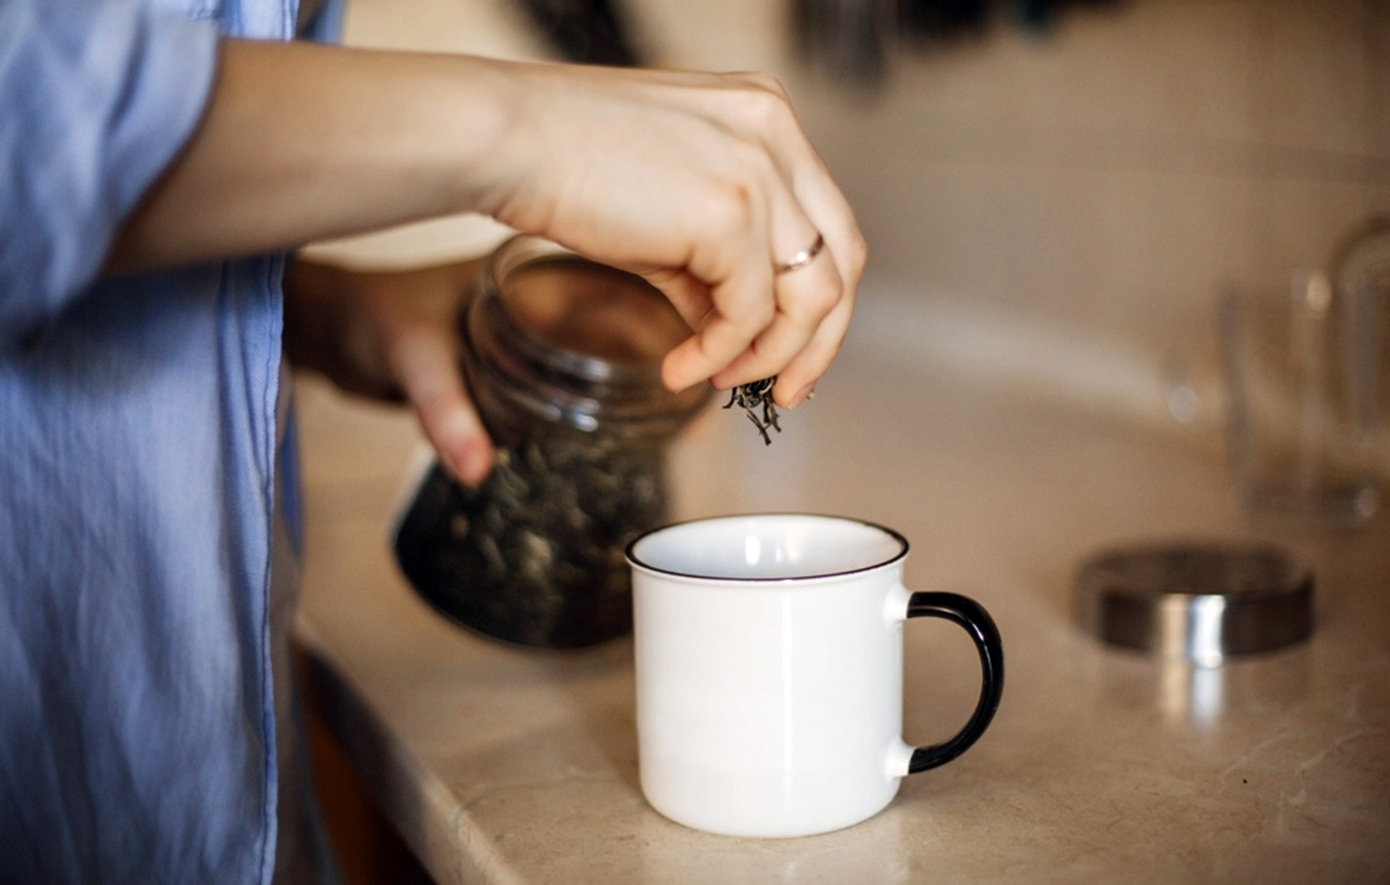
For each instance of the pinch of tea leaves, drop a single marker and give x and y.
(755, 398)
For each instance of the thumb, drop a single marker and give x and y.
(425, 362)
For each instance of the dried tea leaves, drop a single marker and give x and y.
(755, 398)
(535, 555)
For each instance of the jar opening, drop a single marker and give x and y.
(554, 334)
(593, 310)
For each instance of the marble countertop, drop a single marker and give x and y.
(507, 765)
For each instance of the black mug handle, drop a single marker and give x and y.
(972, 616)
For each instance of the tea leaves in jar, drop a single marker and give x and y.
(515, 557)
(563, 360)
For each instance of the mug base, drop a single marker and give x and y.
(720, 822)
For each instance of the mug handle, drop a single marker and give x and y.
(972, 616)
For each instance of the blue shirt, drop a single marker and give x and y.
(137, 468)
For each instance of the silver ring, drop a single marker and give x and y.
(804, 257)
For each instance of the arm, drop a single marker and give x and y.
(302, 142)
(700, 182)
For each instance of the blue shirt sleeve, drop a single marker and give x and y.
(99, 96)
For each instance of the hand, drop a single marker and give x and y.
(393, 336)
(703, 184)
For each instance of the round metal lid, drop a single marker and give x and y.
(1199, 601)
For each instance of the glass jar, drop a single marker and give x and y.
(562, 357)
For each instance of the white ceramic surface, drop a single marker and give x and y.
(769, 672)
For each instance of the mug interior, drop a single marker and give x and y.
(767, 547)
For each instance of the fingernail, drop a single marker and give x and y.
(470, 461)
(807, 392)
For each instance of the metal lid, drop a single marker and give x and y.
(1199, 601)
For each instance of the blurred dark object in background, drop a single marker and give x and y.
(854, 39)
(585, 31)
(1040, 14)
(944, 19)
(849, 39)
(845, 38)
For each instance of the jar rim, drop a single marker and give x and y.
(527, 250)
(577, 386)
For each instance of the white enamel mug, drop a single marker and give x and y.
(769, 671)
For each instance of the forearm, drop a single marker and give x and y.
(702, 183)
(302, 142)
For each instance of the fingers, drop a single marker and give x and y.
(424, 360)
(829, 211)
(811, 304)
(705, 192)
(761, 323)
(738, 309)
(802, 299)
(393, 335)
(783, 321)
(796, 382)
(762, 313)
(847, 254)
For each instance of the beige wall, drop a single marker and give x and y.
(1098, 185)
(1054, 211)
